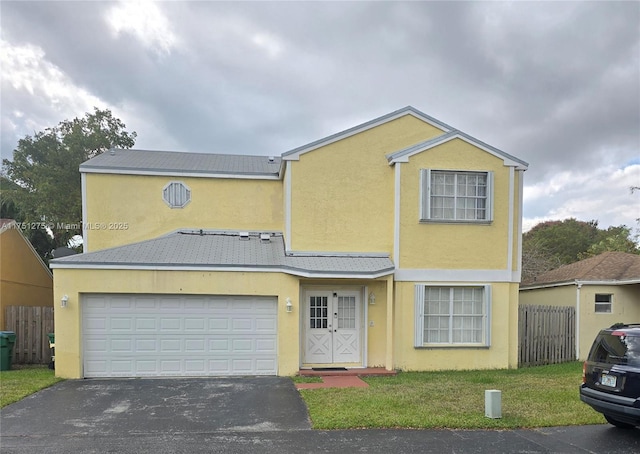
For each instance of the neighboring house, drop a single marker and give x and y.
(25, 280)
(604, 289)
(394, 244)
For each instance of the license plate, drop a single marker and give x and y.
(608, 380)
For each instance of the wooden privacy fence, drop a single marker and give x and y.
(31, 325)
(547, 335)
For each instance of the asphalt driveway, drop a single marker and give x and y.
(243, 415)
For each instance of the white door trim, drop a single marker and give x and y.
(329, 341)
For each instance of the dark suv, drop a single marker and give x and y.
(611, 375)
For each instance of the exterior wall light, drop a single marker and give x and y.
(372, 298)
(64, 301)
(289, 305)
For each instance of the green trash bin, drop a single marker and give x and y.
(7, 340)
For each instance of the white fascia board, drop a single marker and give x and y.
(174, 173)
(294, 155)
(579, 283)
(404, 157)
(337, 275)
(239, 269)
(377, 255)
(549, 285)
(404, 154)
(610, 282)
(439, 275)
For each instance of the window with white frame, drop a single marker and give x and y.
(456, 196)
(176, 194)
(603, 303)
(449, 316)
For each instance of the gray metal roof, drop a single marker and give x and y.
(227, 251)
(138, 162)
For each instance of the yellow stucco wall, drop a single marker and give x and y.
(24, 279)
(454, 245)
(123, 209)
(517, 220)
(556, 296)
(76, 282)
(343, 196)
(625, 307)
(502, 353)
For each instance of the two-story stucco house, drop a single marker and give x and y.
(393, 244)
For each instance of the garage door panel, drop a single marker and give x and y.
(121, 324)
(195, 366)
(95, 323)
(266, 325)
(266, 345)
(145, 304)
(242, 324)
(192, 325)
(145, 324)
(146, 335)
(221, 325)
(146, 345)
(194, 345)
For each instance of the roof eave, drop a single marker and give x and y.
(183, 174)
(404, 155)
(580, 282)
(226, 268)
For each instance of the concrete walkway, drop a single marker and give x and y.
(335, 381)
(345, 378)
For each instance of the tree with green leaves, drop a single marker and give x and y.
(44, 172)
(39, 238)
(551, 244)
(616, 239)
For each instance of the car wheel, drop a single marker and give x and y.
(620, 424)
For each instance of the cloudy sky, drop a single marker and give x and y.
(555, 83)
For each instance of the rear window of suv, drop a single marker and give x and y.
(617, 347)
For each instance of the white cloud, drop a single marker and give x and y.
(603, 194)
(270, 43)
(145, 21)
(27, 72)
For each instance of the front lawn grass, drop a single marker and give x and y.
(22, 381)
(541, 396)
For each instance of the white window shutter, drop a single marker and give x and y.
(419, 316)
(425, 194)
(490, 196)
(488, 302)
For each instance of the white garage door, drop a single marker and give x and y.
(176, 335)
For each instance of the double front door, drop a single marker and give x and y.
(332, 327)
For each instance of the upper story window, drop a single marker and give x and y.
(603, 303)
(176, 194)
(456, 196)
